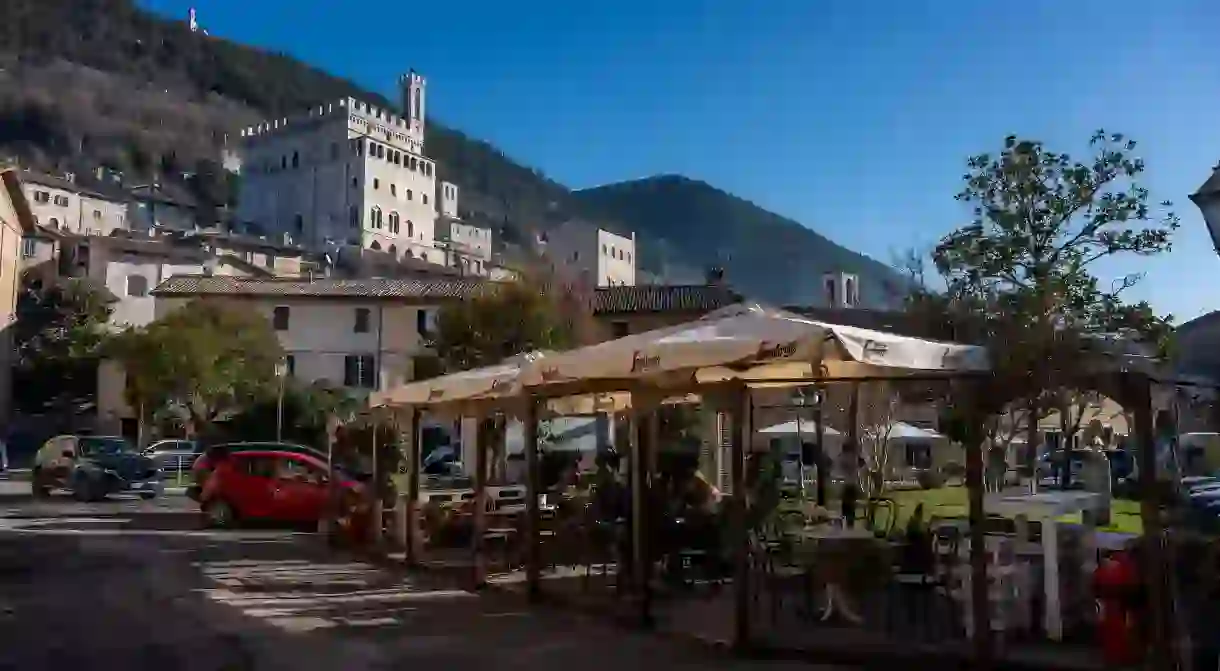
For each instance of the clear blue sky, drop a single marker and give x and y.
(852, 117)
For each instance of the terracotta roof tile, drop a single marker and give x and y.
(663, 298)
(407, 288)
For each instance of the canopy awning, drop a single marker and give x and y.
(755, 344)
(797, 427)
(904, 431)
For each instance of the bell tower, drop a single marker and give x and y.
(413, 101)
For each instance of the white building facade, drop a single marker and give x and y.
(345, 173)
(603, 258)
(59, 204)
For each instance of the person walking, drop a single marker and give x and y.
(849, 473)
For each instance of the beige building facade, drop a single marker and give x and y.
(16, 221)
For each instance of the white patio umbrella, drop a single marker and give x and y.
(904, 431)
(797, 427)
(756, 344)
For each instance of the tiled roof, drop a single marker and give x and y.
(103, 192)
(411, 288)
(663, 298)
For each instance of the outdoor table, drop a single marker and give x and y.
(829, 539)
(1045, 507)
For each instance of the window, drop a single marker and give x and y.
(290, 364)
(629, 256)
(54, 223)
(358, 371)
(97, 215)
(393, 189)
(394, 223)
(42, 197)
(283, 162)
(394, 251)
(269, 260)
(137, 285)
(410, 228)
(296, 160)
(376, 184)
(61, 201)
(354, 216)
(421, 322)
(376, 246)
(362, 321)
(279, 318)
(380, 151)
(410, 194)
(375, 217)
(619, 329)
(372, 149)
(409, 254)
(414, 163)
(604, 252)
(425, 197)
(29, 247)
(258, 467)
(298, 222)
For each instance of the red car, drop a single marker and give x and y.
(268, 485)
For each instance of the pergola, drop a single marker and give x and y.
(720, 359)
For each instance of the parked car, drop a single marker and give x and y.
(93, 467)
(270, 486)
(175, 456)
(202, 467)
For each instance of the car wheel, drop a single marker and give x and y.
(219, 514)
(148, 496)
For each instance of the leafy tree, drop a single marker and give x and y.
(205, 360)
(510, 318)
(60, 326)
(1020, 276)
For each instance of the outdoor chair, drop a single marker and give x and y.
(771, 558)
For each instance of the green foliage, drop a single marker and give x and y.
(60, 326)
(205, 359)
(1019, 277)
(507, 319)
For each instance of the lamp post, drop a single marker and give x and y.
(281, 372)
(1207, 199)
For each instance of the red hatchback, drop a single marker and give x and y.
(270, 486)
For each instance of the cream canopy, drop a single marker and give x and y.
(759, 345)
(756, 344)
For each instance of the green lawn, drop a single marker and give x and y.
(951, 502)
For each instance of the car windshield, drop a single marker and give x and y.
(99, 447)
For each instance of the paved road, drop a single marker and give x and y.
(138, 585)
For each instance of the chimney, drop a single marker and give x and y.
(715, 276)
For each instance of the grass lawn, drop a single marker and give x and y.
(950, 501)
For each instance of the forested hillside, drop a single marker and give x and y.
(88, 83)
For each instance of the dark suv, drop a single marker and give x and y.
(92, 467)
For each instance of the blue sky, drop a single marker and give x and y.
(852, 117)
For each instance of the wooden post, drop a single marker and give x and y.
(1138, 390)
(412, 503)
(741, 503)
(533, 487)
(819, 419)
(479, 528)
(980, 606)
(638, 477)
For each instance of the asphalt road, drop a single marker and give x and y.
(139, 585)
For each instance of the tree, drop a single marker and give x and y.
(60, 326)
(1020, 276)
(205, 360)
(509, 318)
(878, 413)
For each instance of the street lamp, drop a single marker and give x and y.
(281, 372)
(1207, 199)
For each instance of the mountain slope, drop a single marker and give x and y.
(87, 83)
(764, 255)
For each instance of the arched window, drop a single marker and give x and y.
(375, 217)
(54, 223)
(410, 229)
(394, 223)
(376, 246)
(409, 255)
(394, 251)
